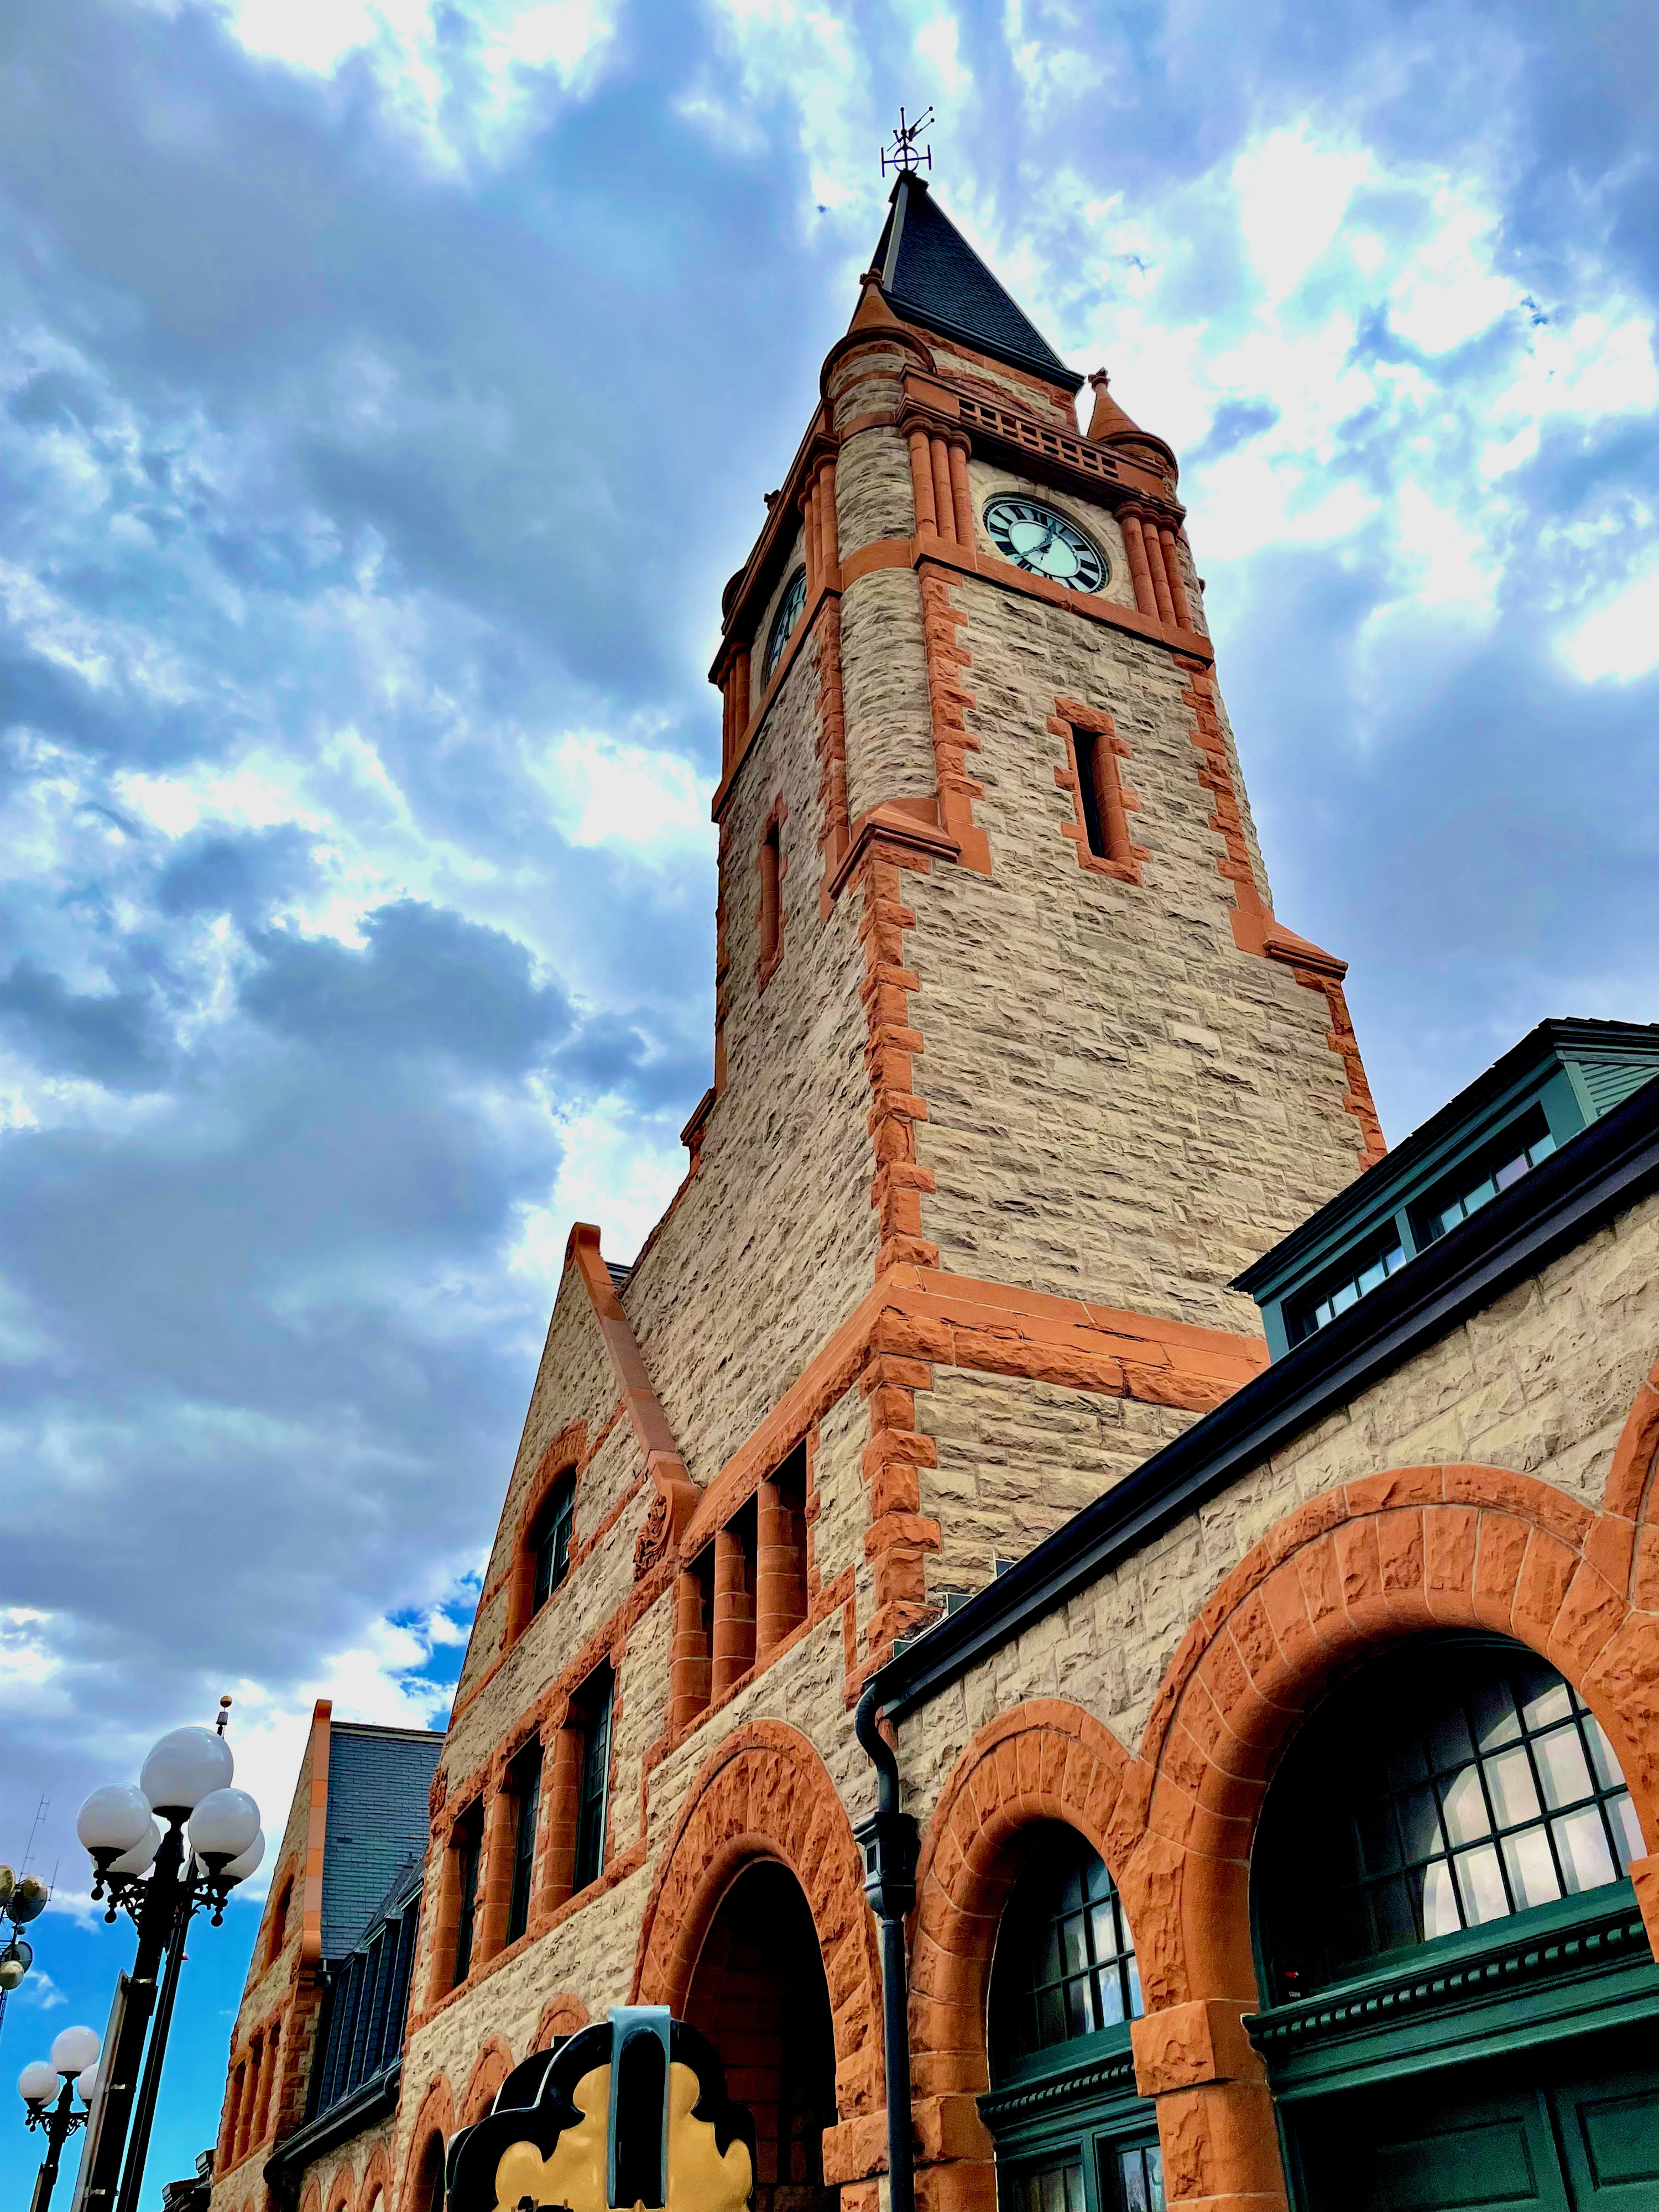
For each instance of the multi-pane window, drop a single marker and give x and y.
(549, 1543)
(525, 1783)
(1480, 1181)
(362, 2029)
(1334, 1298)
(1054, 2186)
(1066, 1962)
(1139, 2177)
(468, 1838)
(596, 1702)
(1443, 1791)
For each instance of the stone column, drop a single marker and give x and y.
(688, 1659)
(734, 1613)
(495, 1874)
(779, 1568)
(562, 1798)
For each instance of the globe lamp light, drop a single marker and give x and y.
(75, 2049)
(38, 2083)
(223, 1824)
(187, 1765)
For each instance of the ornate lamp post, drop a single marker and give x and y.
(49, 2091)
(158, 1874)
(20, 1901)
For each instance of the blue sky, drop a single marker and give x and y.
(391, 389)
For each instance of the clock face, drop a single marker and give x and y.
(783, 622)
(1035, 538)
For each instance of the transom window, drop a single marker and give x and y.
(1064, 1960)
(550, 1542)
(1479, 1182)
(1336, 1298)
(1455, 1785)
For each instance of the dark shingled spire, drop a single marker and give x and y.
(931, 274)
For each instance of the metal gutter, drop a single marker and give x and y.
(370, 2101)
(1606, 1169)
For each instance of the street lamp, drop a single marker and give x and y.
(181, 1838)
(20, 1901)
(48, 2090)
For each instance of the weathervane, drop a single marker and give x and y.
(901, 154)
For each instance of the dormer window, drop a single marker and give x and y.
(1334, 1298)
(783, 622)
(1478, 1181)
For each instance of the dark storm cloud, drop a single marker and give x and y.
(109, 1037)
(426, 981)
(243, 874)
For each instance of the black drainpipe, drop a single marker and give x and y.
(889, 1842)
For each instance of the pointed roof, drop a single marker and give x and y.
(932, 276)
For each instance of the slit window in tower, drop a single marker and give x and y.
(527, 1786)
(468, 1835)
(597, 1699)
(1105, 826)
(771, 872)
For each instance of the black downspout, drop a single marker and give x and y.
(888, 1840)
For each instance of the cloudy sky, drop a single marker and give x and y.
(391, 387)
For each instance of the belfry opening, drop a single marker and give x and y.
(760, 1996)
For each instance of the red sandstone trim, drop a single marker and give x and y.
(663, 1463)
(952, 740)
(765, 1792)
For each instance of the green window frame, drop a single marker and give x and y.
(1070, 2133)
(549, 1543)
(527, 1786)
(598, 1699)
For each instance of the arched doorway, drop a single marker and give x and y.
(759, 1994)
(1461, 2009)
(1070, 2133)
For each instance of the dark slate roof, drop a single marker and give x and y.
(931, 274)
(378, 1821)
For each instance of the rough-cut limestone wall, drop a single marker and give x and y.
(269, 1986)
(987, 483)
(1008, 384)
(1016, 1458)
(1121, 1105)
(843, 1507)
(591, 1954)
(574, 1382)
(868, 381)
(1541, 1382)
(883, 675)
(773, 1240)
(873, 488)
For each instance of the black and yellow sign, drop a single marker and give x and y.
(630, 2115)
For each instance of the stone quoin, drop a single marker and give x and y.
(1277, 1700)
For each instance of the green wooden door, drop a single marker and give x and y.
(1576, 2132)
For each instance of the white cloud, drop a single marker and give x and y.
(1620, 639)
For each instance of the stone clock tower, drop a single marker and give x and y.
(1014, 1072)
(973, 728)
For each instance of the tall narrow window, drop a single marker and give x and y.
(1105, 824)
(597, 1698)
(771, 878)
(526, 1786)
(468, 1837)
(279, 1922)
(550, 1542)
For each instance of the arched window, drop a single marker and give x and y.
(1458, 1783)
(550, 1542)
(1071, 2134)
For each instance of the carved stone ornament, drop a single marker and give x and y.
(652, 1547)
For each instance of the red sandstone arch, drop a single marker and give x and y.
(764, 1793)
(339, 2188)
(1352, 1571)
(1044, 1761)
(313, 2199)
(377, 2177)
(560, 2015)
(436, 2117)
(490, 2070)
(561, 1457)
